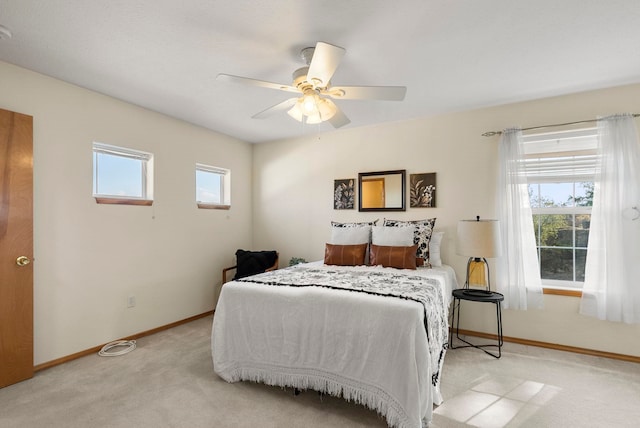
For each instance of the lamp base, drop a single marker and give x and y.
(481, 261)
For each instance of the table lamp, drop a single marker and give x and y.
(478, 240)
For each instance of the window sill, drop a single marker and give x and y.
(124, 201)
(213, 206)
(562, 292)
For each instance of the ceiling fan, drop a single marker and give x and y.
(312, 83)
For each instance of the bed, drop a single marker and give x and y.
(371, 334)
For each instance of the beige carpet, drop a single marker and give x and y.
(168, 381)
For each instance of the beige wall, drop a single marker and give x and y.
(89, 258)
(293, 190)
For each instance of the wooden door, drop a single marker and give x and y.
(16, 247)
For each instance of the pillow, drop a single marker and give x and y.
(253, 262)
(434, 249)
(360, 224)
(395, 257)
(400, 236)
(422, 234)
(350, 235)
(344, 255)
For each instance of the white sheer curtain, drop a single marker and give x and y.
(517, 270)
(612, 276)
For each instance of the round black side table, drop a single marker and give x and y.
(482, 296)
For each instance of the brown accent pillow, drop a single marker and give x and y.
(345, 255)
(395, 257)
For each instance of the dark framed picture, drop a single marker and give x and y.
(344, 194)
(422, 190)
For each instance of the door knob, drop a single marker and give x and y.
(23, 261)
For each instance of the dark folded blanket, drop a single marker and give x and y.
(253, 262)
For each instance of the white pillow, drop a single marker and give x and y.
(350, 235)
(401, 236)
(434, 249)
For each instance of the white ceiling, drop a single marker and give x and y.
(452, 55)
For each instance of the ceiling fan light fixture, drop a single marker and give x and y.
(310, 104)
(326, 109)
(314, 119)
(296, 112)
(312, 109)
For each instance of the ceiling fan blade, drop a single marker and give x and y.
(254, 82)
(283, 106)
(384, 93)
(339, 119)
(324, 63)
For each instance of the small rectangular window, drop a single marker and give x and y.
(213, 186)
(121, 175)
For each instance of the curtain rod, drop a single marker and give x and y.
(492, 133)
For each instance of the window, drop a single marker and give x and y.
(560, 170)
(122, 176)
(213, 187)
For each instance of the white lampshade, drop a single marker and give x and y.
(478, 238)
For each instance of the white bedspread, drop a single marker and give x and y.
(367, 348)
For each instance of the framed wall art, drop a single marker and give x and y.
(422, 189)
(344, 194)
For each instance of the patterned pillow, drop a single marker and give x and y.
(344, 255)
(421, 236)
(395, 257)
(360, 224)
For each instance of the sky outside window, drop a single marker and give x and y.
(558, 194)
(118, 175)
(208, 187)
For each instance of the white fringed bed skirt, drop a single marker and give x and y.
(327, 383)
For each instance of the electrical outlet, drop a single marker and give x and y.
(131, 301)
